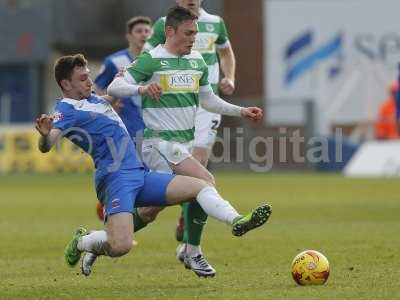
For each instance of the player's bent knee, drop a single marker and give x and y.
(149, 214)
(211, 179)
(120, 247)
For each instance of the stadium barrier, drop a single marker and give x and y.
(19, 154)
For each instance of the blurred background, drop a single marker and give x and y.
(324, 71)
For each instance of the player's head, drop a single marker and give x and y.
(192, 5)
(72, 75)
(180, 29)
(138, 30)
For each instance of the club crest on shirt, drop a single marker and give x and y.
(193, 64)
(210, 27)
(57, 116)
(115, 203)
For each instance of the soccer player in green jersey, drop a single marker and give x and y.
(172, 80)
(213, 44)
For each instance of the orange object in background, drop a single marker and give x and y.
(386, 125)
(100, 211)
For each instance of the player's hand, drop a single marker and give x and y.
(44, 124)
(120, 73)
(153, 90)
(227, 86)
(254, 114)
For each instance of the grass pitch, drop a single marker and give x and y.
(354, 222)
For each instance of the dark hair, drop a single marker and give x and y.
(177, 15)
(132, 22)
(64, 66)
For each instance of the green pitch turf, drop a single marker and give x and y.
(354, 222)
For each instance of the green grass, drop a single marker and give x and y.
(354, 222)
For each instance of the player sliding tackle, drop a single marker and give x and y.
(121, 180)
(172, 80)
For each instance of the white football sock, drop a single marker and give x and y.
(213, 204)
(93, 242)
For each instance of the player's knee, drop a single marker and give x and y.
(203, 160)
(150, 218)
(209, 178)
(120, 247)
(201, 156)
(149, 215)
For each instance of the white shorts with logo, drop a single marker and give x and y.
(159, 155)
(206, 125)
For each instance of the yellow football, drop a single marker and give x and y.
(310, 267)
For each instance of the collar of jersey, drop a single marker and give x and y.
(167, 54)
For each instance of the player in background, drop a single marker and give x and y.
(173, 81)
(121, 181)
(213, 43)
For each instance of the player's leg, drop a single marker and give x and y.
(117, 192)
(161, 160)
(172, 157)
(195, 218)
(185, 188)
(165, 189)
(115, 241)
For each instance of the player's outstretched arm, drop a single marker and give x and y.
(212, 103)
(120, 87)
(48, 134)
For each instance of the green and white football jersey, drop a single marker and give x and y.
(212, 34)
(171, 117)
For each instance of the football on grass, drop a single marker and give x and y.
(310, 267)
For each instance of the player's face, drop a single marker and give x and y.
(80, 83)
(139, 35)
(192, 5)
(184, 36)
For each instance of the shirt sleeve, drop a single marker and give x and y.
(158, 36)
(64, 117)
(142, 69)
(106, 74)
(223, 34)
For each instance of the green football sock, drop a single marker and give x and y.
(195, 219)
(138, 223)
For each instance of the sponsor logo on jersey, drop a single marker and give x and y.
(204, 42)
(164, 63)
(179, 82)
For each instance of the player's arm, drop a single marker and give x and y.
(48, 134)
(128, 83)
(105, 76)
(228, 68)
(212, 103)
(227, 60)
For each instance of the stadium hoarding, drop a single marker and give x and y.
(342, 54)
(19, 154)
(375, 159)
